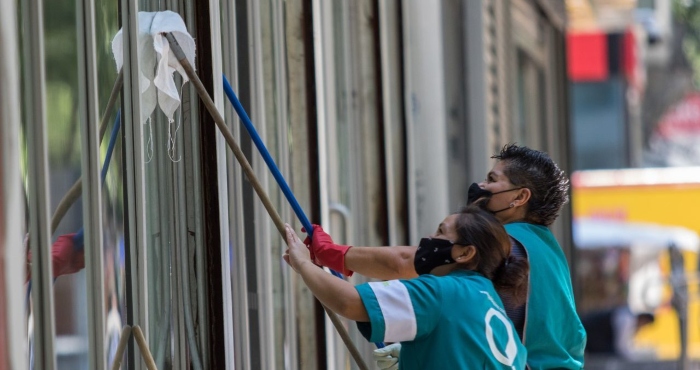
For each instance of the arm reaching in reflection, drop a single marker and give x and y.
(67, 255)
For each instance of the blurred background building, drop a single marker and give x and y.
(631, 65)
(633, 73)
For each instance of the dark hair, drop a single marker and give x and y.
(481, 228)
(535, 170)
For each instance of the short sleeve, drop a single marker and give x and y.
(401, 310)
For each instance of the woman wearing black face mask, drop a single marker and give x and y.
(450, 317)
(525, 191)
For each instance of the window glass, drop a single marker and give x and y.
(112, 164)
(275, 125)
(64, 155)
(529, 121)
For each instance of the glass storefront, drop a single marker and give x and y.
(140, 220)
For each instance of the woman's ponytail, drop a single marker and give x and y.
(510, 279)
(482, 230)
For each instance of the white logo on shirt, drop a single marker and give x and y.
(493, 301)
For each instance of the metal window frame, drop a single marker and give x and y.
(137, 313)
(425, 101)
(478, 134)
(299, 62)
(326, 113)
(237, 296)
(393, 118)
(223, 157)
(92, 193)
(263, 239)
(272, 128)
(281, 99)
(14, 338)
(38, 189)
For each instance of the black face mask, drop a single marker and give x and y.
(432, 253)
(475, 192)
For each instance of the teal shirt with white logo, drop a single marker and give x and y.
(443, 322)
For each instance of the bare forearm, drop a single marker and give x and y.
(384, 263)
(337, 294)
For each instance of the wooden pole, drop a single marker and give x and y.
(123, 340)
(248, 170)
(74, 192)
(143, 346)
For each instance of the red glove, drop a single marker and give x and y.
(326, 253)
(65, 258)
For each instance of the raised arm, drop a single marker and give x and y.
(338, 295)
(384, 263)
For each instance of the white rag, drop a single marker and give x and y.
(157, 62)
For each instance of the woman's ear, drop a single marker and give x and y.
(522, 197)
(463, 253)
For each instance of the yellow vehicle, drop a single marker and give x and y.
(628, 225)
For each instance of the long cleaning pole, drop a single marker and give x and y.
(238, 107)
(248, 170)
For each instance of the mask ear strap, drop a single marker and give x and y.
(149, 143)
(522, 197)
(172, 137)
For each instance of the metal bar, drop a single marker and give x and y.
(391, 113)
(13, 330)
(182, 251)
(324, 111)
(218, 119)
(281, 102)
(134, 176)
(477, 134)
(426, 114)
(262, 236)
(237, 297)
(215, 32)
(92, 191)
(200, 262)
(38, 193)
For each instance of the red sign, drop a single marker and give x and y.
(682, 119)
(587, 55)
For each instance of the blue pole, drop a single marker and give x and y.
(270, 162)
(272, 166)
(80, 235)
(110, 146)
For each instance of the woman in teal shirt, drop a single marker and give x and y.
(450, 317)
(525, 190)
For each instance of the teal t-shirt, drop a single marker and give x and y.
(554, 335)
(443, 322)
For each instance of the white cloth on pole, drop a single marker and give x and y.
(157, 63)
